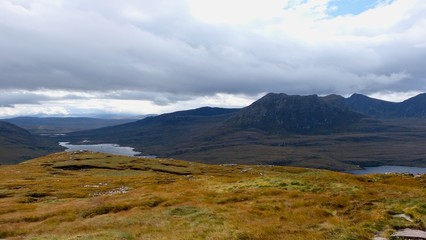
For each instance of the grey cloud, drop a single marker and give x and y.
(158, 99)
(14, 97)
(167, 56)
(6, 106)
(9, 99)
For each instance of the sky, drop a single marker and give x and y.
(136, 57)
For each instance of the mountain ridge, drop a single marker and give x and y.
(283, 113)
(279, 129)
(239, 135)
(414, 107)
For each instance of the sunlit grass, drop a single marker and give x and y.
(96, 196)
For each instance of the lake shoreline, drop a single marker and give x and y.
(112, 148)
(385, 169)
(109, 148)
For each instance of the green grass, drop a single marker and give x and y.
(92, 196)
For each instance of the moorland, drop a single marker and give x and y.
(84, 195)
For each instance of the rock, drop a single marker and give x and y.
(409, 234)
(404, 216)
(379, 238)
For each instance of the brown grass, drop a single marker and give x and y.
(91, 196)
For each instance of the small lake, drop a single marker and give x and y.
(103, 148)
(390, 169)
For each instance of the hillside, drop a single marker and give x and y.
(371, 106)
(55, 125)
(304, 131)
(414, 107)
(281, 113)
(161, 132)
(98, 196)
(17, 144)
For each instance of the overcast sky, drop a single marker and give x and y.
(143, 56)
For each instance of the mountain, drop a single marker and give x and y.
(414, 107)
(274, 113)
(371, 106)
(160, 131)
(102, 196)
(17, 144)
(281, 113)
(328, 132)
(256, 134)
(278, 129)
(52, 125)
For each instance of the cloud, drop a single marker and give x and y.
(169, 52)
(104, 105)
(6, 105)
(11, 98)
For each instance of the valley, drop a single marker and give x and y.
(213, 120)
(278, 129)
(329, 132)
(253, 173)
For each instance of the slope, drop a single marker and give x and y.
(164, 130)
(133, 198)
(281, 113)
(414, 107)
(294, 137)
(17, 144)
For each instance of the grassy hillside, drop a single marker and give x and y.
(98, 196)
(17, 144)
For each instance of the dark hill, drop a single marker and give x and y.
(203, 112)
(255, 134)
(12, 130)
(166, 130)
(371, 106)
(17, 144)
(281, 113)
(414, 107)
(278, 129)
(187, 116)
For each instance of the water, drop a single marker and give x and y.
(103, 148)
(390, 169)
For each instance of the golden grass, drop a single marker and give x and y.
(98, 196)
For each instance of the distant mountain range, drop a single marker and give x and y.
(17, 144)
(330, 132)
(52, 125)
(325, 132)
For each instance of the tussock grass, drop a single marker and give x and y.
(114, 197)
